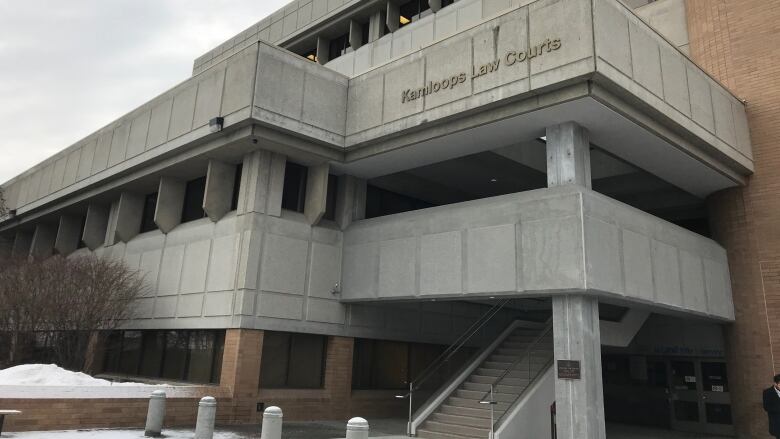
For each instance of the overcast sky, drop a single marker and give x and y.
(69, 67)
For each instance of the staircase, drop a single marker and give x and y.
(511, 367)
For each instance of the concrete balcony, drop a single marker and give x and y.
(536, 243)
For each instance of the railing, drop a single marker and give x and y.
(447, 355)
(526, 358)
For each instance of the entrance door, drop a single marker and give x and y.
(699, 396)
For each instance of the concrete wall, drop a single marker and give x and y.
(540, 242)
(668, 18)
(530, 418)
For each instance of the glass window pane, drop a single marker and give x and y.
(151, 359)
(219, 349)
(113, 350)
(361, 363)
(718, 413)
(686, 411)
(390, 365)
(714, 377)
(307, 356)
(294, 190)
(175, 355)
(131, 352)
(683, 375)
(201, 346)
(147, 217)
(193, 200)
(273, 363)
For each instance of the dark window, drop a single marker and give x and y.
(290, 360)
(186, 355)
(236, 187)
(294, 192)
(380, 202)
(147, 217)
(338, 46)
(81, 243)
(445, 3)
(311, 55)
(193, 200)
(330, 203)
(411, 10)
(364, 33)
(611, 313)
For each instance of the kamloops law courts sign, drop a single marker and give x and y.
(511, 58)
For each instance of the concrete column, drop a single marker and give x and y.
(129, 214)
(376, 26)
(350, 200)
(68, 235)
(110, 238)
(155, 414)
(568, 155)
(43, 240)
(355, 34)
(170, 202)
(262, 183)
(323, 50)
(393, 16)
(435, 5)
(21, 244)
(579, 402)
(241, 369)
(95, 226)
(218, 196)
(207, 414)
(316, 193)
(272, 423)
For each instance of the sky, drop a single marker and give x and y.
(67, 68)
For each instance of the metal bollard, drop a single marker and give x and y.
(155, 414)
(357, 428)
(272, 423)
(207, 414)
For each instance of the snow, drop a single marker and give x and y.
(51, 375)
(116, 434)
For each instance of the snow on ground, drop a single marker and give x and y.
(116, 434)
(51, 375)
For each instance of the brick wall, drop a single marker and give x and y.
(738, 42)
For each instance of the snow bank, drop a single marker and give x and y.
(51, 375)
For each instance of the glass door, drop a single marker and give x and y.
(699, 396)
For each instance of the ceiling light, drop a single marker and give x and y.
(543, 138)
(493, 180)
(404, 20)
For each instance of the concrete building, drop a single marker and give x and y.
(558, 196)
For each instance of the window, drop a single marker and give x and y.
(186, 355)
(294, 191)
(380, 202)
(330, 203)
(236, 187)
(412, 10)
(193, 200)
(338, 46)
(147, 217)
(293, 361)
(311, 55)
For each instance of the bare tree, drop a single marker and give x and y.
(3, 204)
(60, 302)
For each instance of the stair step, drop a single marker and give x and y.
(482, 412)
(428, 434)
(477, 395)
(462, 430)
(468, 421)
(536, 358)
(458, 401)
(508, 381)
(501, 388)
(509, 344)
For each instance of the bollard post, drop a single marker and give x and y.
(207, 414)
(272, 423)
(155, 414)
(357, 428)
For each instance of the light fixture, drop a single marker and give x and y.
(543, 138)
(216, 124)
(336, 289)
(493, 180)
(404, 20)
(312, 57)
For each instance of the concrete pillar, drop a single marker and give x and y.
(435, 5)
(323, 49)
(21, 244)
(393, 16)
(355, 34)
(110, 238)
(207, 414)
(95, 226)
(6, 247)
(262, 183)
(170, 202)
(43, 240)
(129, 214)
(220, 179)
(316, 193)
(376, 26)
(579, 402)
(350, 200)
(568, 155)
(240, 371)
(357, 428)
(155, 414)
(272, 423)
(68, 235)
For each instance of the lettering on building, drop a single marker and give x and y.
(509, 59)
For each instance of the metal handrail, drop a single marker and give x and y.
(445, 356)
(525, 355)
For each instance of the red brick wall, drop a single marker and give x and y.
(738, 42)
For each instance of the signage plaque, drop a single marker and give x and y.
(569, 370)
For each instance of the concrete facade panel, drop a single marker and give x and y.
(102, 149)
(139, 129)
(279, 85)
(195, 267)
(360, 274)
(223, 263)
(646, 59)
(281, 306)
(283, 265)
(441, 263)
(491, 259)
(159, 123)
(170, 271)
(182, 111)
(637, 265)
(190, 305)
(85, 159)
(675, 80)
(239, 81)
(209, 99)
(397, 264)
(119, 144)
(325, 270)
(602, 255)
(666, 274)
(553, 254)
(325, 311)
(613, 44)
(219, 303)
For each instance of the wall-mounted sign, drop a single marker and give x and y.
(510, 58)
(569, 370)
